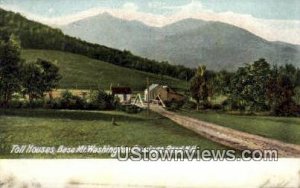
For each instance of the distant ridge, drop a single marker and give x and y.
(188, 42)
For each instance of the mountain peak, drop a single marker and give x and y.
(187, 42)
(106, 15)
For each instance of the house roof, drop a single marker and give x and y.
(121, 90)
(169, 90)
(153, 86)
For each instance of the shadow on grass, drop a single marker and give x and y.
(67, 114)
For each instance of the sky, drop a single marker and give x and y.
(274, 20)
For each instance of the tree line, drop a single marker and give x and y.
(34, 35)
(255, 87)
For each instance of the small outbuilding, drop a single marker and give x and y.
(164, 93)
(123, 93)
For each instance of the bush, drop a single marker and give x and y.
(16, 104)
(38, 103)
(217, 107)
(205, 105)
(287, 109)
(226, 104)
(174, 105)
(131, 109)
(69, 101)
(102, 101)
(53, 104)
(189, 105)
(230, 104)
(99, 100)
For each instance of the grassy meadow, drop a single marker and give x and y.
(76, 128)
(80, 72)
(286, 129)
(49, 128)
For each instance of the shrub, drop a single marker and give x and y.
(174, 105)
(102, 101)
(53, 104)
(189, 105)
(226, 104)
(217, 107)
(230, 104)
(38, 103)
(131, 109)
(69, 101)
(205, 105)
(16, 104)
(287, 109)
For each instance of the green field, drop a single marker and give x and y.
(286, 129)
(80, 72)
(76, 128)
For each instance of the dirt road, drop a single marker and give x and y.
(230, 137)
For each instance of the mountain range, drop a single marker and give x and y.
(188, 42)
(34, 35)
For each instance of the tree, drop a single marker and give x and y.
(199, 86)
(102, 101)
(249, 85)
(39, 77)
(280, 91)
(32, 81)
(221, 82)
(298, 77)
(50, 75)
(10, 68)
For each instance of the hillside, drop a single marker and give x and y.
(188, 42)
(84, 73)
(34, 35)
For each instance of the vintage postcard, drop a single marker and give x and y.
(133, 93)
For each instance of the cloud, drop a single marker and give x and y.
(130, 7)
(273, 30)
(156, 4)
(193, 6)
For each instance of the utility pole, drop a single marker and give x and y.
(148, 97)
